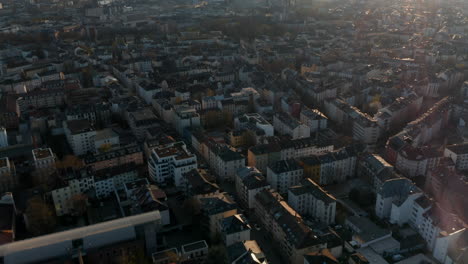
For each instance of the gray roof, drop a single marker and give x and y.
(398, 189)
(308, 186)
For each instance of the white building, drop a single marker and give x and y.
(314, 119)
(43, 158)
(169, 162)
(185, 117)
(224, 161)
(285, 124)
(64, 197)
(234, 229)
(80, 136)
(458, 154)
(249, 181)
(147, 90)
(395, 200)
(246, 120)
(107, 181)
(283, 174)
(310, 199)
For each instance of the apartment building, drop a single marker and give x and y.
(168, 163)
(314, 119)
(80, 136)
(458, 154)
(105, 140)
(213, 209)
(223, 160)
(108, 180)
(8, 178)
(140, 120)
(262, 155)
(393, 195)
(234, 229)
(249, 181)
(44, 164)
(308, 198)
(254, 120)
(114, 158)
(375, 170)
(41, 99)
(283, 174)
(333, 167)
(76, 184)
(288, 230)
(185, 117)
(285, 124)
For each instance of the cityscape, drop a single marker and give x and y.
(234, 131)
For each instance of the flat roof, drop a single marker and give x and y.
(78, 233)
(42, 153)
(194, 246)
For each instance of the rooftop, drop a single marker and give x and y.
(308, 186)
(42, 153)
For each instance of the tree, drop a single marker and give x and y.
(136, 257)
(70, 161)
(105, 147)
(40, 217)
(79, 203)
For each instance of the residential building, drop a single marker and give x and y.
(73, 244)
(367, 235)
(185, 117)
(288, 230)
(458, 154)
(131, 154)
(8, 178)
(105, 140)
(195, 251)
(213, 209)
(140, 120)
(249, 181)
(245, 252)
(262, 155)
(234, 229)
(310, 199)
(75, 187)
(314, 119)
(224, 161)
(169, 162)
(111, 179)
(197, 184)
(285, 124)
(248, 121)
(375, 170)
(44, 164)
(147, 198)
(336, 166)
(80, 136)
(395, 199)
(283, 174)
